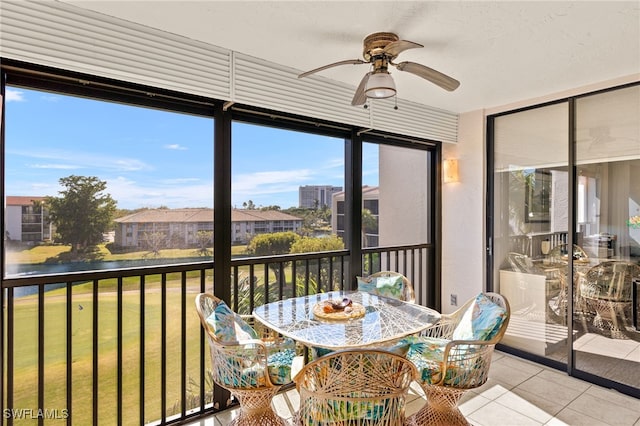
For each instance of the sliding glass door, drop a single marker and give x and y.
(607, 189)
(530, 199)
(564, 232)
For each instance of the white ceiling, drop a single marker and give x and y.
(500, 51)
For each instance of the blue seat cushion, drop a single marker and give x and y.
(382, 286)
(240, 372)
(481, 321)
(228, 326)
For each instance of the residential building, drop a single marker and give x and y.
(370, 202)
(180, 227)
(316, 196)
(26, 220)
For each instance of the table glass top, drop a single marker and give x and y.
(385, 320)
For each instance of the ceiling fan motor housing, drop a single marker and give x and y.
(375, 43)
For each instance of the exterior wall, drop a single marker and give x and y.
(131, 234)
(396, 206)
(15, 219)
(13, 222)
(370, 194)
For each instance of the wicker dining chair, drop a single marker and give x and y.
(355, 387)
(388, 283)
(455, 355)
(606, 289)
(252, 365)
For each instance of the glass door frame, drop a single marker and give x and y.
(569, 366)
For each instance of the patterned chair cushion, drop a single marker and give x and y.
(481, 321)
(382, 286)
(426, 353)
(399, 348)
(242, 374)
(228, 326)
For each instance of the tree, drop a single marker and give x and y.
(82, 213)
(369, 225)
(204, 239)
(154, 241)
(318, 271)
(272, 244)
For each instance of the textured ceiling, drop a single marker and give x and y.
(501, 52)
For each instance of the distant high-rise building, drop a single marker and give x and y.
(317, 196)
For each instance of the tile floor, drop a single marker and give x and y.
(519, 392)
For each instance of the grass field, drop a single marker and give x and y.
(26, 343)
(26, 350)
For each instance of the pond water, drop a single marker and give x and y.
(20, 270)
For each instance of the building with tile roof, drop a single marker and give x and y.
(180, 226)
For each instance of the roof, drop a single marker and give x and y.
(202, 215)
(20, 200)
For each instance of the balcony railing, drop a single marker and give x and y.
(125, 346)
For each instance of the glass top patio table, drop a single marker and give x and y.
(385, 320)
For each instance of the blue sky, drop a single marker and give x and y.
(152, 158)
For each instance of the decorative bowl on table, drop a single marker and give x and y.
(338, 310)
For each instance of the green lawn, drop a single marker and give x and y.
(25, 353)
(39, 254)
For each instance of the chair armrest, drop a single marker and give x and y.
(466, 362)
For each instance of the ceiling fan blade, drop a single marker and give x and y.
(395, 48)
(359, 98)
(436, 77)
(335, 64)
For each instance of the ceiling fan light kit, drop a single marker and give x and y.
(380, 86)
(380, 49)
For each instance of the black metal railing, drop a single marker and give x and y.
(125, 346)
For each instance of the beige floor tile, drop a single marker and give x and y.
(561, 378)
(604, 410)
(616, 398)
(558, 393)
(512, 364)
(634, 355)
(472, 402)
(530, 405)
(494, 414)
(575, 418)
(615, 348)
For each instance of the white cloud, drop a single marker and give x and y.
(80, 160)
(55, 166)
(13, 95)
(176, 146)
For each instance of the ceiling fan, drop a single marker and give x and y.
(380, 50)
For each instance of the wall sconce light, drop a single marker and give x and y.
(450, 171)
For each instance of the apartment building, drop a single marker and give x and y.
(26, 220)
(317, 196)
(181, 226)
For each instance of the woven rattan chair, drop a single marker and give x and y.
(357, 387)
(406, 293)
(606, 289)
(448, 366)
(252, 369)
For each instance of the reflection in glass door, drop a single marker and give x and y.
(530, 227)
(607, 143)
(565, 233)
